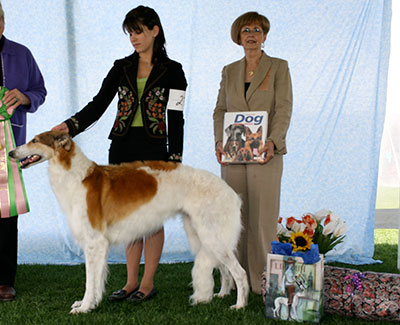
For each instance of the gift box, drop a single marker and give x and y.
(366, 295)
(293, 289)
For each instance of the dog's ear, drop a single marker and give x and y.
(228, 130)
(63, 141)
(259, 130)
(248, 131)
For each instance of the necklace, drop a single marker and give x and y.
(254, 64)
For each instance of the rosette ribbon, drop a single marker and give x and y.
(13, 198)
(309, 257)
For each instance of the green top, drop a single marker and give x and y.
(137, 119)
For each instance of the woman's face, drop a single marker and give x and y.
(143, 42)
(252, 36)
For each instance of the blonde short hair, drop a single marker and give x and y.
(246, 19)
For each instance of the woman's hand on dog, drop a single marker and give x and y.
(63, 127)
(268, 149)
(219, 151)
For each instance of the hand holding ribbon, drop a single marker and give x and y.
(12, 99)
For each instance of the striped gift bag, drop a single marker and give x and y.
(13, 198)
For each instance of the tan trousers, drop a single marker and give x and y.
(259, 187)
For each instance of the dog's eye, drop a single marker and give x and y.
(34, 141)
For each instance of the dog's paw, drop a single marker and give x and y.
(79, 310)
(236, 307)
(221, 294)
(76, 304)
(79, 307)
(195, 299)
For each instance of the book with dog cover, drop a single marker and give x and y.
(244, 136)
(294, 290)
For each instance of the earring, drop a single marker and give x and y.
(262, 45)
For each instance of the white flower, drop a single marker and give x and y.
(321, 214)
(334, 217)
(298, 227)
(329, 228)
(341, 229)
(281, 230)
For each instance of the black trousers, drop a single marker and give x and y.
(8, 250)
(136, 146)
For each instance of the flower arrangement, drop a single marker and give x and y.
(324, 228)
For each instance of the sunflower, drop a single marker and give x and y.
(300, 241)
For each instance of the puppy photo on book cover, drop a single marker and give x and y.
(244, 136)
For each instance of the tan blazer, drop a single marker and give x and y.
(270, 90)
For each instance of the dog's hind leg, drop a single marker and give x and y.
(226, 282)
(96, 252)
(191, 235)
(203, 280)
(239, 275)
(202, 275)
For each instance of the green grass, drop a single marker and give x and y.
(46, 292)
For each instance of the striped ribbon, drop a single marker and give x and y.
(13, 198)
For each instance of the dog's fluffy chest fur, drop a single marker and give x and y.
(67, 186)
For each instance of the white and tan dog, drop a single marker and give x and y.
(119, 204)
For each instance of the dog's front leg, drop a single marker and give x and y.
(96, 270)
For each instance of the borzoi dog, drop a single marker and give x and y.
(119, 204)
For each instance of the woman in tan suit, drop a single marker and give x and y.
(256, 82)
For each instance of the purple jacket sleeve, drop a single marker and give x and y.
(21, 71)
(36, 90)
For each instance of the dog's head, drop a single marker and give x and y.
(42, 147)
(243, 155)
(254, 140)
(232, 147)
(235, 132)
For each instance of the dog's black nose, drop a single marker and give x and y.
(12, 154)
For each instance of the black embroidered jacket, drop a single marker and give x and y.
(121, 79)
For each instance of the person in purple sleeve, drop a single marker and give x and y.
(20, 74)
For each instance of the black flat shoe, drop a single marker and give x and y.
(121, 294)
(139, 296)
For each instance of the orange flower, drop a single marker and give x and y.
(309, 232)
(310, 222)
(280, 220)
(290, 222)
(327, 220)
